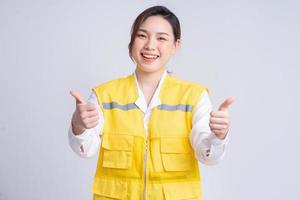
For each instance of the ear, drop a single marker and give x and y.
(177, 45)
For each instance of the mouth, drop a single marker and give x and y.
(149, 58)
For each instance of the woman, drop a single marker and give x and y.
(153, 128)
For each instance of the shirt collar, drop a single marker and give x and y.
(141, 100)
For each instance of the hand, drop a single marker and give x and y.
(85, 115)
(219, 120)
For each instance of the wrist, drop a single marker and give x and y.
(76, 129)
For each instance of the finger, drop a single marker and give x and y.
(87, 107)
(225, 105)
(217, 126)
(219, 132)
(217, 120)
(91, 106)
(89, 120)
(219, 114)
(92, 125)
(89, 114)
(77, 96)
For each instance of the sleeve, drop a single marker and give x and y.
(87, 144)
(208, 148)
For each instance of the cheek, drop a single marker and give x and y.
(137, 44)
(135, 49)
(167, 50)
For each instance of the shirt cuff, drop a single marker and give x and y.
(81, 137)
(214, 140)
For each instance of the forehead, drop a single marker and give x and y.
(156, 24)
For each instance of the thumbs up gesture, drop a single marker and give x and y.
(219, 120)
(85, 115)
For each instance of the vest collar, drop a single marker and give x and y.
(141, 100)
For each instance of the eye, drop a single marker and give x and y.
(162, 38)
(141, 35)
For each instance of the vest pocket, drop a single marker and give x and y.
(117, 151)
(176, 154)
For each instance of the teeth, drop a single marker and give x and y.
(149, 56)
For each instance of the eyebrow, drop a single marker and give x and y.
(161, 33)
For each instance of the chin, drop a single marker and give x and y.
(149, 69)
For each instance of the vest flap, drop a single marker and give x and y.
(117, 142)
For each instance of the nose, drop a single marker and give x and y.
(150, 44)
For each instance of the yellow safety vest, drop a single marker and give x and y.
(171, 170)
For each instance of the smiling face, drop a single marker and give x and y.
(154, 44)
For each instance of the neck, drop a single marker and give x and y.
(149, 79)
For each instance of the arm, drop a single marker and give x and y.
(87, 143)
(209, 149)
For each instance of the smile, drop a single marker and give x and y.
(149, 56)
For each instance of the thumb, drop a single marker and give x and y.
(225, 105)
(77, 96)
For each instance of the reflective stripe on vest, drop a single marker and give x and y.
(112, 105)
(130, 106)
(182, 107)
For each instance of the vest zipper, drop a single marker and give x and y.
(146, 155)
(145, 169)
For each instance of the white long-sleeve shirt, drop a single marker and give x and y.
(208, 148)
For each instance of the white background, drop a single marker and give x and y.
(249, 49)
